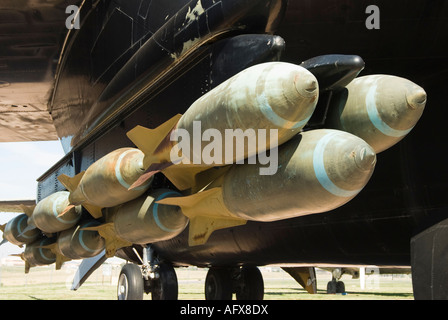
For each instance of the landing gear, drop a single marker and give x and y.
(164, 287)
(130, 283)
(246, 282)
(218, 284)
(250, 285)
(336, 286)
(157, 278)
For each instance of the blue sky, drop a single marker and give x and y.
(21, 163)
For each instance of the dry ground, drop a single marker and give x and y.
(45, 283)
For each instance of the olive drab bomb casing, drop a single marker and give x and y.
(106, 182)
(14, 231)
(36, 254)
(46, 214)
(380, 109)
(140, 221)
(77, 243)
(318, 171)
(269, 96)
(143, 220)
(273, 95)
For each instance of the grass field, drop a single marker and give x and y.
(45, 283)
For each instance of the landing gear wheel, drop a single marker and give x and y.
(340, 287)
(218, 284)
(251, 285)
(165, 287)
(130, 283)
(331, 287)
(335, 286)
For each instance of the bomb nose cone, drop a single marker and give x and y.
(365, 158)
(306, 84)
(416, 98)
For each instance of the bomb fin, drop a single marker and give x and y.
(207, 213)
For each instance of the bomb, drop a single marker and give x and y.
(46, 217)
(38, 253)
(380, 109)
(143, 220)
(318, 171)
(13, 231)
(275, 96)
(106, 182)
(77, 243)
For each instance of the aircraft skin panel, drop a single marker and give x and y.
(32, 125)
(99, 81)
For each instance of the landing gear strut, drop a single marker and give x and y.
(246, 282)
(157, 278)
(336, 286)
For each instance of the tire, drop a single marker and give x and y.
(218, 284)
(166, 286)
(130, 283)
(251, 286)
(331, 287)
(340, 287)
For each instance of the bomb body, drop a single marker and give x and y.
(46, 213)
(380, 109)
(76, 243)
(275, 96)
(270, 96)
(14, 231)
(106, 182)
(318, 171)
(36, 254)
(144, 221)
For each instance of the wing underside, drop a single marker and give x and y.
(15, 205)
(31, 37)
(25, 122)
